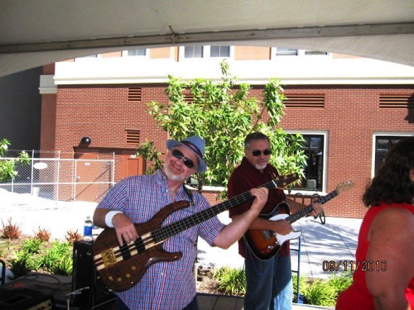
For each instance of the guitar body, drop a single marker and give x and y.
(120, 268)
(265, 244)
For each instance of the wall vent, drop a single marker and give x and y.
(305, 101)
(133, 136)
(134, 94)
(188, 96)
(394, 101)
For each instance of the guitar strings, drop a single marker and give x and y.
(163, 233)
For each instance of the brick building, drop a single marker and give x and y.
(350, 110)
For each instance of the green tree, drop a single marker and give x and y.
(8, 166)
(223, 114)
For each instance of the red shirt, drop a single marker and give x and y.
(357, 296)
(244, 178)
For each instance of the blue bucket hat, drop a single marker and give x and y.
(196, 145)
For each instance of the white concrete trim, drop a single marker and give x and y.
(47, 85)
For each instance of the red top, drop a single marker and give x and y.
(244, 178)
(357, 296)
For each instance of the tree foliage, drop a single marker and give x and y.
(223, 114)
(8, 166)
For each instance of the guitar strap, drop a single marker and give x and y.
(189, 194)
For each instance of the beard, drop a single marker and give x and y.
(260, 167)
(171, 176)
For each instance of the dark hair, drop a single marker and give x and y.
(392, 183)
(253, 137)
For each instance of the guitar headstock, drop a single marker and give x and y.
(344, 186)
(285, 180)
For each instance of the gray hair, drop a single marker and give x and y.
(253, 137)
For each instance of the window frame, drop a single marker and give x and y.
(146, 56)
(206, 53)
(374, 145)
(325, 154)
(301, 53)
(92, 57)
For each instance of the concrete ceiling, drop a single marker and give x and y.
(34, 33)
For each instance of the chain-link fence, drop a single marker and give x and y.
(63, 179)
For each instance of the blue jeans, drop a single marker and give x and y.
(269, 284)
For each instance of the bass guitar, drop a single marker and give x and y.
(265, 244)
(121, 267)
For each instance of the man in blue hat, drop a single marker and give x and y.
(169, 285)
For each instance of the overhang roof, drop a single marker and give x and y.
(34, 33)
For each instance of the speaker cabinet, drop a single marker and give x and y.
(88, 292)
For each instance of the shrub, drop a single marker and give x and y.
(303, 284)
(326, 292)
(42, 234)
(231, 281)
(24, 263)
(319, 293)
(31, 246)
(58, 259)
(11, 231)
(72, 236)
(4, 246)
(340, 283)
(62, 267)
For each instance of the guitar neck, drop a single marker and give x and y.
(305, 211)
(166, 232)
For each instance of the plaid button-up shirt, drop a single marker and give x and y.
(165, 285)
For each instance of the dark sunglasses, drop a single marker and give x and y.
(187, 161)
(266, 152)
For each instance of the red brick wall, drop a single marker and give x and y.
(351, 115)
(103, 113)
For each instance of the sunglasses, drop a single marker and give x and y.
(187, 161)
(266, 152)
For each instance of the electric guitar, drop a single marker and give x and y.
(121, 267)
(265, 244)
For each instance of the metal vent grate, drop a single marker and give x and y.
(134, 94)
(396, 101)
(188, 96)
(133, 136)
(305, 101)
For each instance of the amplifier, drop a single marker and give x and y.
(87, 290)
(25, 299)
(35, 291)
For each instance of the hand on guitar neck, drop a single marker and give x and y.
(296, 206)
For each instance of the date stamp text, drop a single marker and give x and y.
(352, 266)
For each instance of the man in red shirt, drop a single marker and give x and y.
(269, 282)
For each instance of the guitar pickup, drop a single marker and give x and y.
(108, 257)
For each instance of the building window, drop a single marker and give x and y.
(310, 53)
(314, 171)
(87, 58)
(206, 52)
(286, 52)
(137, 52)
(193, 52)
(383, 145)
(296, 53)
(220, 51)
